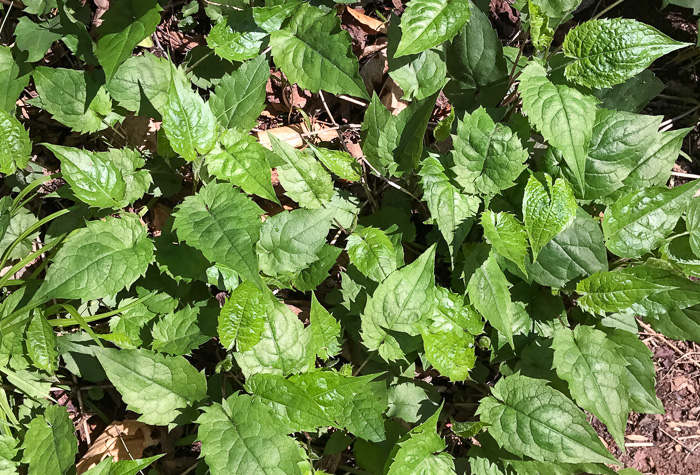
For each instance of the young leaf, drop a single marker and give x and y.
(83, 104)
(242, 318)
(325, 330)
(93, 177)
(372, 252)
(640, 221)
(178, 333)
(290, 241)
(15, 145)
(341, 163)
(239, 98)
(295, 407)
(302, 176)
(487, 157)
(577, 251)
(242, 435)
(611, 50)
(123, 26)
(50, 445)
(243, 162)
(453, 211)
(99, 260)
(225, 225)
(284, 347)
(397, 304)
(488, 292)
(692, 224)
(41, 343)
(507, 236)
(420, 451)
(547, 210)
(355, 403)
(394, 144)
(563, 115)
(596, 373)
(427, 23)
(237, 37)
(188, 122)
(641, 375)
(314, 52)
(529, 418)
(156, 386)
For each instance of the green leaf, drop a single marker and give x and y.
(121, 467)
(596, 373)
(239, 98)
(577, 251)
(142, 84)
(641, 374)
(11, 83)
(83, 104)
(372, 252)
(488, 292)
(410, 402)
(295, 407)
(124, 25)
(41, 343)
(284, 347)
(422, 451)
(355, 403)
(156, 386)
(633, 94)
(178, 333)
(547, 210)
(188, 122)
(310, 278)
(475, 55)
(303, 177)
(50, 445)
(93, 177)
(242, 435)
(488, 157)
(325, 330)
(15, 145)
(394, 144)
(290, 241)
(398, 303)
(225, 225)
(563, 115)
(541, 31)
(679, 324)
(692, 224)
(341, 163)
(243, 162)
(427, 23)
(35, 39)
(242, 318)
(450, 352)
(453, 211)
(507, 236)
(8, 453)
(418, 75)
(314, 52)
(529, 418)
(611, 50)
(137, 182)
(99, 260)
(236, 37)
(641, 221)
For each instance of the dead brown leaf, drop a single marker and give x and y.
(367, 23)
(292, 134)
(391, 97)
(122, 440)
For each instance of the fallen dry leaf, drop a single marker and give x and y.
(391, 97)
(369, 24)
(292, 134)
(122, 440)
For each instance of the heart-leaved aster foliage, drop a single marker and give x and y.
(317, 239)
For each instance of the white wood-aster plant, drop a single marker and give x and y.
(473, 287)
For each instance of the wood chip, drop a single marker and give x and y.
(636, 437)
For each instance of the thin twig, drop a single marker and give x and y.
(690, 176)
(606, 10)
(676, 440)
(353, 100)
(198, 62)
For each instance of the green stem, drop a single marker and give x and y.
(606, 10)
